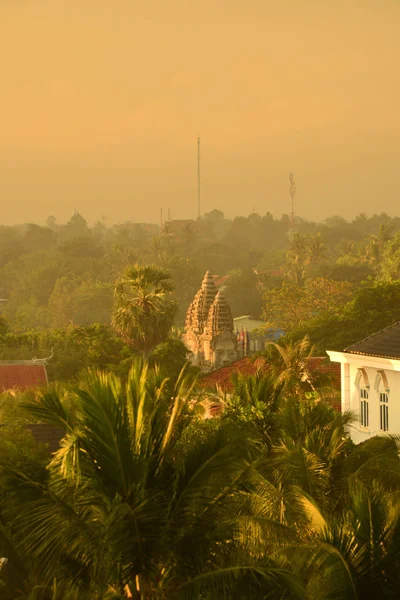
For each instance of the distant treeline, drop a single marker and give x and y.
(57, 276)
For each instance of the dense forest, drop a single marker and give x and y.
(336, 281)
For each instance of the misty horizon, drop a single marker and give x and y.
(102, 107)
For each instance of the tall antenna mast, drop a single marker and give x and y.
(198, 178)
(292, 192)
(161, 218)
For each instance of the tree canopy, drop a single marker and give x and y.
(62, 276)
(146, 499)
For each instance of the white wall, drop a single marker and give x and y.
(248, 323)
(350, 397)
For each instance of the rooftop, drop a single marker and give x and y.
(44, 433)
(384, 343)
(223, 376)
(21, 375)
(47, 434)
(246, 366)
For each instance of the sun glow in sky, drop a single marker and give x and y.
(102, 102)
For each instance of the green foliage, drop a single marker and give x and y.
(243, 293)
(288, 362)
(172, 355)
(72, 349)
(61, 274)
(303, 250)
(146, 500)
(128, 506)
(255, 402)
(388, 258)
(291, 305)
(79, 303)
(144, 313)
(18, 449)
(375, 305)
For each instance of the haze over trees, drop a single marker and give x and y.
(59, 281)
(147, 497)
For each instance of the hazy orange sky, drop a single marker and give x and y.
(102, 102)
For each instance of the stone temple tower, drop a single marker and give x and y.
(209, 332)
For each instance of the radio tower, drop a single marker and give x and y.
(292, 192)
(198, 178)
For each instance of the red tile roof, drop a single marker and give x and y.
(325, 366)
(223, 377)
(219, 281)
(21, 376)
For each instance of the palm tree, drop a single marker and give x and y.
(288, 363)
(316, 248)
(311, 450)
(303, 251)
(354, 554)
(297, 258)
(140, 502)
(376, 243)
(144, 313)
(255, 401)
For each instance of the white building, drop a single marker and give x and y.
(370, 374)
(247, 323)
(259, 335)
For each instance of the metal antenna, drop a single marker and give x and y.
(198, 178)
(169, 214)
(292, 192)
(161, 217)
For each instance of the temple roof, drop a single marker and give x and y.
(197, 314)
(220, 317)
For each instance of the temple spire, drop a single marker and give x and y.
(209, 332)
(220, 317)
(197, 314)
(208, 282)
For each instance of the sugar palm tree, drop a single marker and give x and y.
(138, 505)
(297, 259)
(376, 243)
(316, 248)
(144, 313)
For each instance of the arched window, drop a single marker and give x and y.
(382, 386)
(363, 388)
(364, 407)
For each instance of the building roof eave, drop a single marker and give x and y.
(367, 360)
